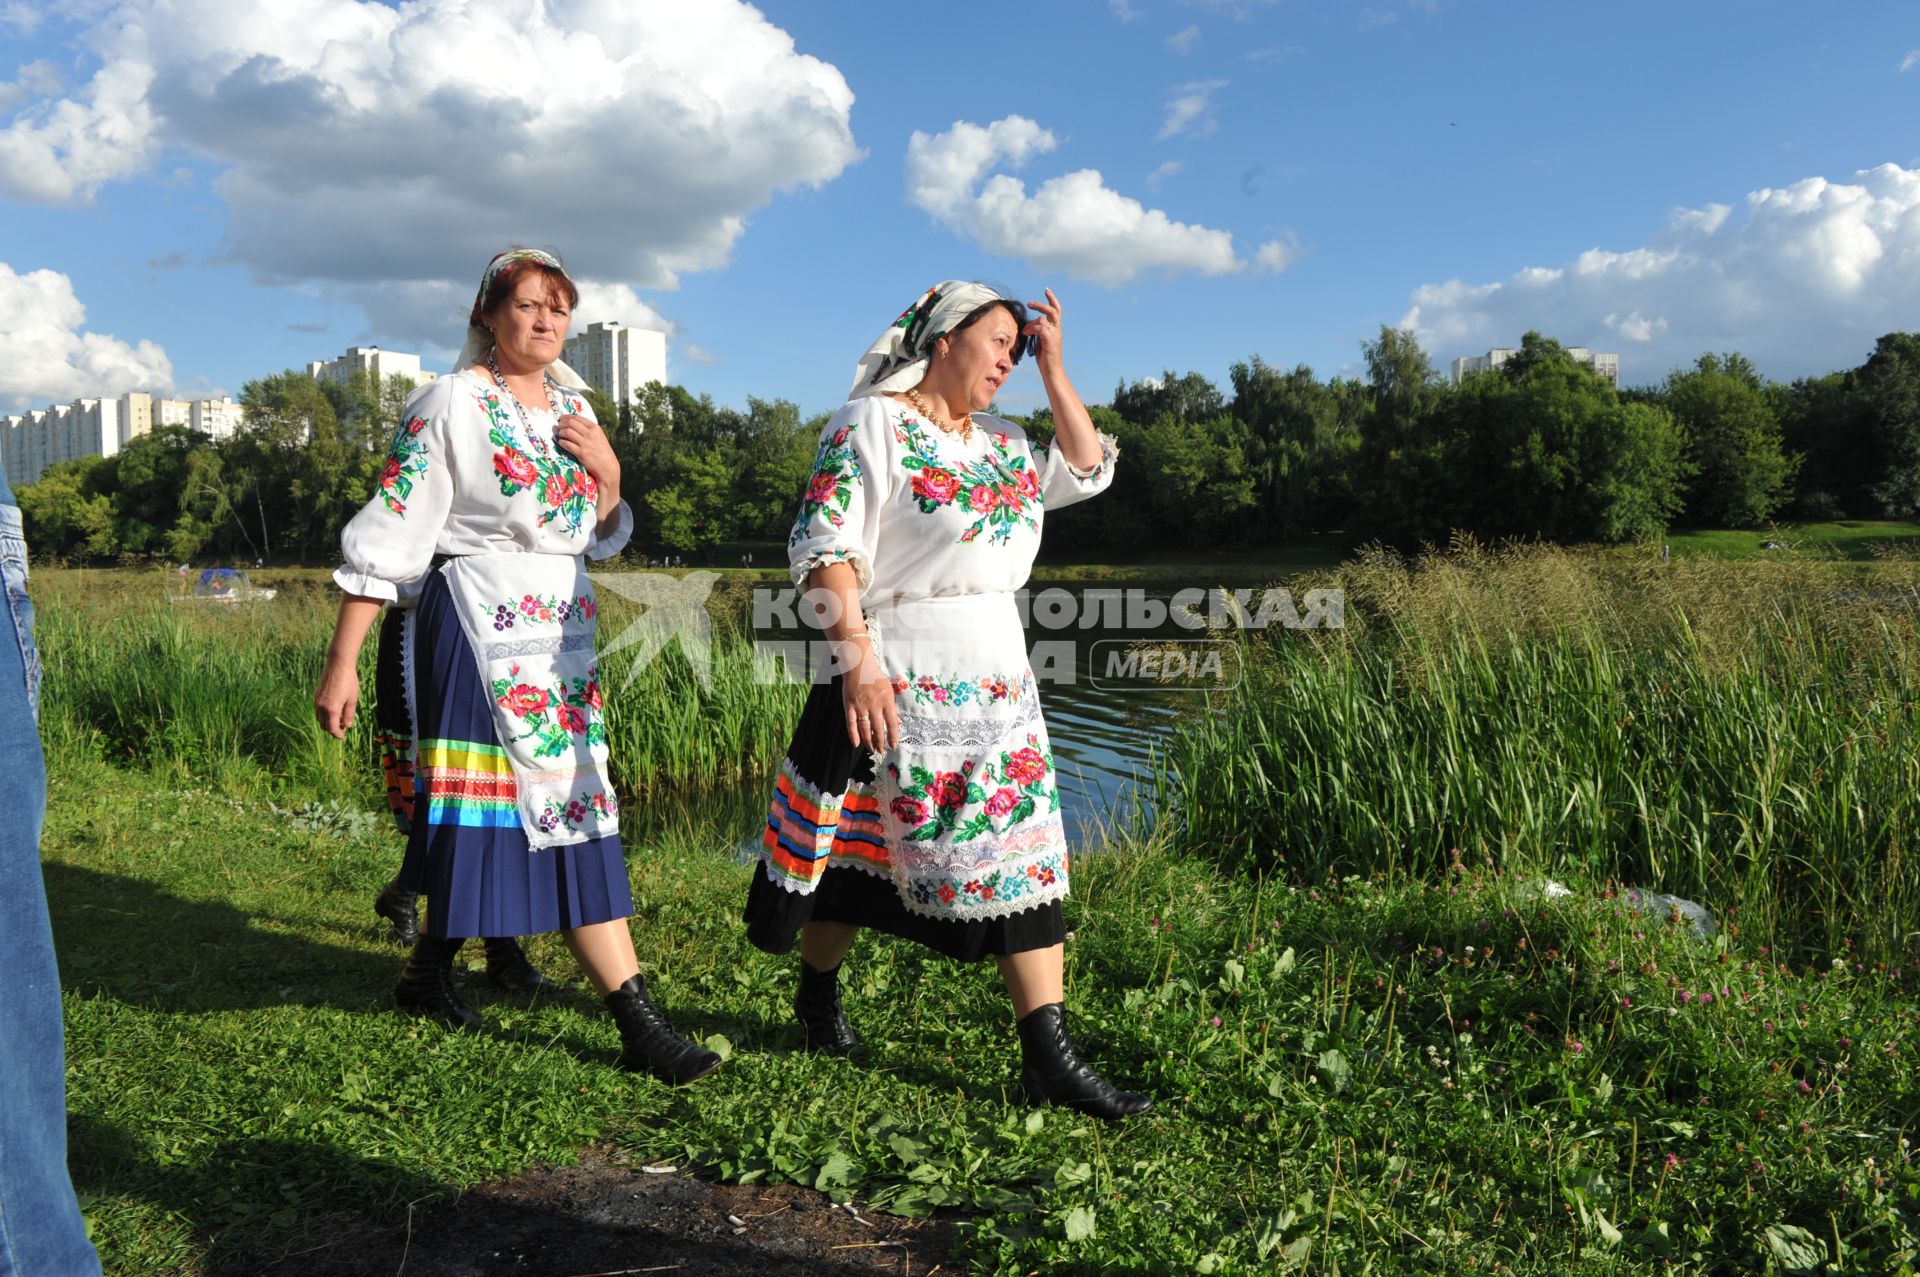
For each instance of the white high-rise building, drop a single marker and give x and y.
(617, 360)
(371, 359)
(1608, 366)
(33, 440)
(219, 418)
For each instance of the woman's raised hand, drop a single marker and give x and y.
(590, 447)
(1044, 328)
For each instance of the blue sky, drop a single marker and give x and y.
(197, 193)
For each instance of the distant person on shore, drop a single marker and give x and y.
(918, 795)
(498, 482)
(40, 1226)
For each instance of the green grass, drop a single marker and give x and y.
(1745, 735)
(1382, 1078)
(1859, 540)
(1384, 1058)
(199, 690)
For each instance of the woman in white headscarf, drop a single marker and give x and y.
(498, 482)
(918, 796)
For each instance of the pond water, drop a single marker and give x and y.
(1105, 723)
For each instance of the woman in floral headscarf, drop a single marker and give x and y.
(499, 480)
(918, 795)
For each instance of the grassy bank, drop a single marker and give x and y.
(1381, 1059)
(211, 691)
(1743, 735)
(1419, 1078)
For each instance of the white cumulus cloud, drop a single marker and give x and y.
(1801, 279)
(1162, 172)
(1184, 41)
(1910, 61)
(1072, 223)
(1190, 110)
(1276, 255)
(363, 143)
(49, 359)
(600, 303)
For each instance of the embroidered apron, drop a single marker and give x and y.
(530, 621)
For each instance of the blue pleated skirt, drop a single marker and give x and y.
(469, 857)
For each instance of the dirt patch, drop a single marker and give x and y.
(605, 1217)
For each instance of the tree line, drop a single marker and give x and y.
(1541, 447)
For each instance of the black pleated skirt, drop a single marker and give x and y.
(823, 759)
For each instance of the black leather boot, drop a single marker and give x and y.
(1052, 1072)
(649, 1044)
(508, 968)
(817, 1004)
(426, 984)
(402, 909)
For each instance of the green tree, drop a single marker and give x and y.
(1203, 490)
(152, 493)
(292, 458)
(1545, 447)
(1821, 422)
(1184, 397)
(694, 508)
(1303, 436)
(776, 450)
(62, 513)
(1401, 488)
(1741, 472)
(1887, 388)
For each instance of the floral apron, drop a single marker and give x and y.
(530, 621)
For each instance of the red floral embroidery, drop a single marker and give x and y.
(524, 699)
(1026, 766)
(949, 789)
(511, 463)
(935, 485)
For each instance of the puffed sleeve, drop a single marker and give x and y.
(839, 512)
(389, 545)
(1062, 484)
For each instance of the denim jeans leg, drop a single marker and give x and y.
(41, 1233)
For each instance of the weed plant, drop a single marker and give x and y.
(199, 689)
(1742, 735)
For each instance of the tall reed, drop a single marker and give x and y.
(1743, 735)
(199, 687)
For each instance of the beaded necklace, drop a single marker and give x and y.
(534, 437)
(962, 426)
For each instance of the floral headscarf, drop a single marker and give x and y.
(898, 358)
(479, 341)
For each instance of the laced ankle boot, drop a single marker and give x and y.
(648, 1042)
(509, 968)
(401, 909)
(817, 1004)
(1052, 1072)
(426, 984)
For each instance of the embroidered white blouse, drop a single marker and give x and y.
(466, 476)
(920, 513)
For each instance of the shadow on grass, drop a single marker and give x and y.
(264, 1206)
(127, 939)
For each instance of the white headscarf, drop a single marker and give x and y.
(898, 358)
(479, 343)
